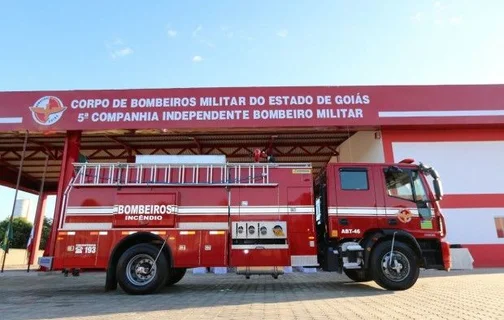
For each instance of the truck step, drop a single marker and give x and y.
(355, 247)
(351, 265)
(351, 246)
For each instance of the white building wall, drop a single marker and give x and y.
(364, 146)
(22, 208)
(466, 168)
(480, 163)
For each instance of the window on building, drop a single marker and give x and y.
(354, 179)
(499, 226)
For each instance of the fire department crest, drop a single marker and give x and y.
(404, 216)
(47, 110)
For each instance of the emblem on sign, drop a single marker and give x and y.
(404, 216)
(47, 110)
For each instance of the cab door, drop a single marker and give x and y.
(355, 200)
(407, 204)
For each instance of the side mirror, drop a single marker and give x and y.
(438, 189)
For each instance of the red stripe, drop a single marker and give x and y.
(486, 255)
(473, 201)
(388, 151)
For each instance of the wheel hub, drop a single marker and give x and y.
(141, 269)
(397, 268)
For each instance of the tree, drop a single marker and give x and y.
(21, 232)
(21, 229)
(46, 229)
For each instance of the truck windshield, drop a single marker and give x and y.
(405, 184)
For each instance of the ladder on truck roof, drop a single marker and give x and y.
(141, 174)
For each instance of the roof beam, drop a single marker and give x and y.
(116, 140)
(129, 149)
(9, 178)
(174, 145)
(47, 148)
(198, 144)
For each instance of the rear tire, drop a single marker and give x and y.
(136, 272)
(358, 275)
(403, 272)
(176, 274)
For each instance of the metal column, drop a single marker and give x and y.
(15, 198)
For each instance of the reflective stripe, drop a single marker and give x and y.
(128, 232)
(304, 261)
(158, 232)
(222, 210)
(89, 210)
(368, 211)
(259, 246)
(86, 226)
(203, 225)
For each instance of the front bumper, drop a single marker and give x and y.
(445, 251)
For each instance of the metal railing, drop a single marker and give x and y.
(136, 174)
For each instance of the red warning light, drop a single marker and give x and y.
(407, 161)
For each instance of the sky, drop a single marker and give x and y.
(62, 45)
(137, 44)
(7, 196)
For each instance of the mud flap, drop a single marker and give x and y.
(332, 261)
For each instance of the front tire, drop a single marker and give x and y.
(402, 272)
(137, 273)
(175, 276)
(358, 275)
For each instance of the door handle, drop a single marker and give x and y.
(343, 222)
(392, 221)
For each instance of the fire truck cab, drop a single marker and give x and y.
(380, 222)
(146, 223)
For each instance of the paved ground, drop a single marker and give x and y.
(437, 295)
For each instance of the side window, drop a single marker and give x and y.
(399, 184)
(354, 179)
(420, 192)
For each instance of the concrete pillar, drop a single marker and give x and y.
(70, 156)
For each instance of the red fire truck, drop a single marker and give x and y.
(145, 224)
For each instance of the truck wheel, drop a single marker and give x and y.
(136, 271)
(358, 275)
(176, 274)
(403, 271)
